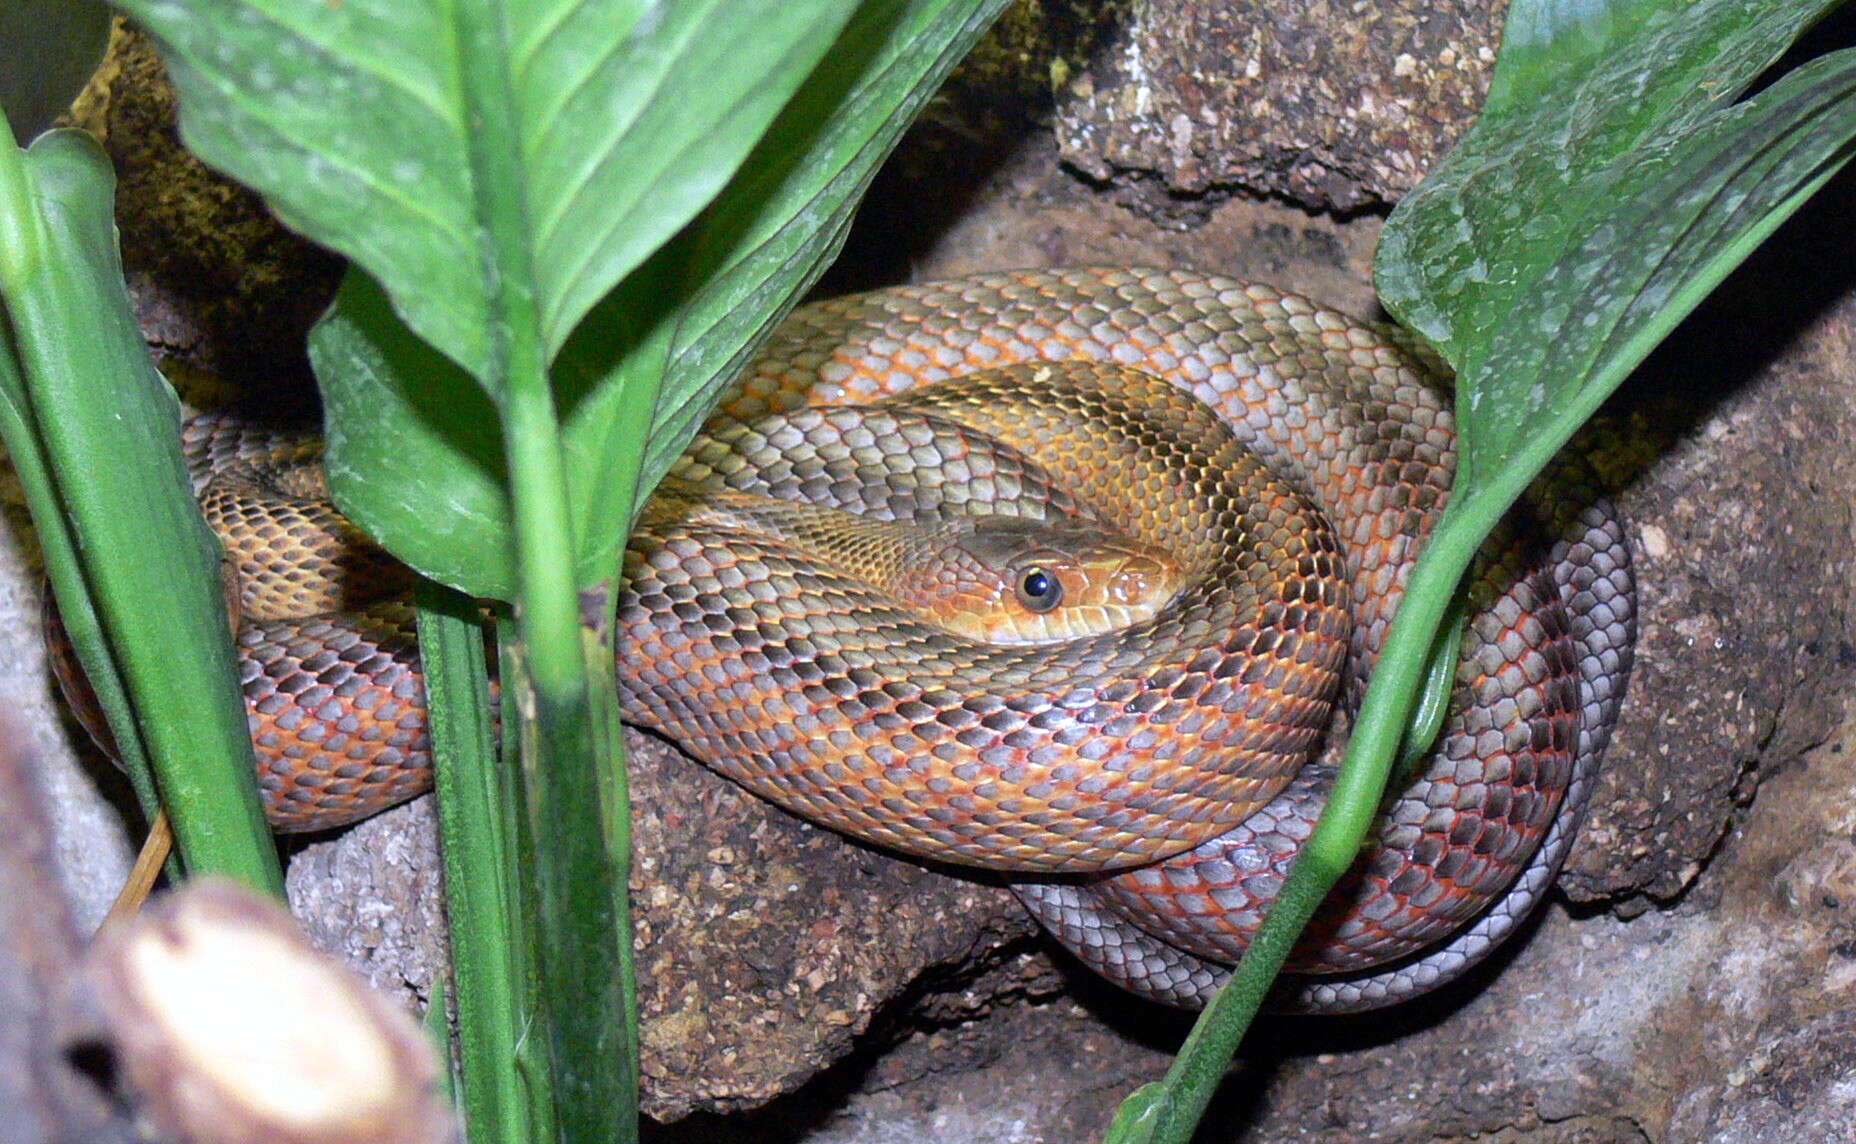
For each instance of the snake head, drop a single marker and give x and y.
(1009, 580)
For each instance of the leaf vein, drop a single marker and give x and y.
(587, 251)
(594, 156)
(449, 116)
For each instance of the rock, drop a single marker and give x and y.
(1335, 107)
(1179, 104)
(766, 947)
(220, 289)
(1743, 522)
(92, 853)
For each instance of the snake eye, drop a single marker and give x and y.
(1039, 590)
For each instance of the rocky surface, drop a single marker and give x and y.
(1175, 105)
(1698, 991)
(1333, 106)
(220, 289)
(766, 947)
(89, 835)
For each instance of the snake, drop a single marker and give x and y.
(1076, 574)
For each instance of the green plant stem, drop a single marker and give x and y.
(615, 803)
(1435, 691)
(480, 899)
(1171, 1115)
(575, 892)
(634, 408)
(547, 603)
(525, 941)
(567, 761)
(1580, 371)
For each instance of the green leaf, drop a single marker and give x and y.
(692, 314)
(1138, 1115)
(781, 222)
(106, 427)
(414, 450)
(1578, 84)
(1686, 213)
(480, 891)
(361, 123)
(64, 574)
(1609, 185)
(752, 255)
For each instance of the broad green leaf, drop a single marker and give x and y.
(414, 450)
(763, 243)
(1685, 213)
(1594, 101)
(1578, 84)
(363, 124)
(406, 444)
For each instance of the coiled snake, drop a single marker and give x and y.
(1084, 621)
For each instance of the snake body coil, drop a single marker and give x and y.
(1148, 767)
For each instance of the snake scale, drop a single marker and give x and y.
(844, 597)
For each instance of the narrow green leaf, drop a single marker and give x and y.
(520, 848)
(480, 910)
(109, 428)
(357, 122)
(437, 1028)
(1138, 1115)
(749, 258)
(64, 571)
(574, 898)
(553, 696)
(1435, 691)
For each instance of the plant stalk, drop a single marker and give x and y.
(568, 762)
(479, 895)
(1168, 1113)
